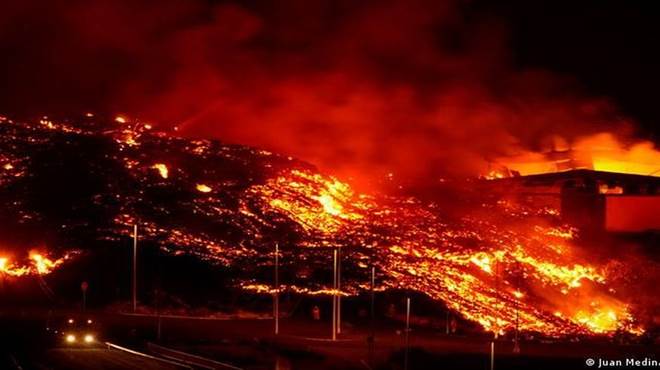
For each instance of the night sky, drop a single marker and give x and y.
(352, 86)
(609, 46)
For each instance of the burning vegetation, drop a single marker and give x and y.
(501, 265)
(36, 264)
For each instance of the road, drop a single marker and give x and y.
(25, 345)
(251, 345)
(100, 358)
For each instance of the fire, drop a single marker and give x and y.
(331, 209)
(504, 266)
(37, 264)
(532, 274)
(601, 152)
(483, 261)
(162, 170)
(120, 119)
(330, 205)
(42, 264)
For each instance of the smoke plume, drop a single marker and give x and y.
(411, 89)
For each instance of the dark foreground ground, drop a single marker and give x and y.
(251, 345)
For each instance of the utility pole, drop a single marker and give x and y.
(405, 359)
(495, 327)
(276, 295)
(492, 355)
(83, 287)
(334, 296)
(447, 321)
(158, 317)
(372, 329)
(338, 290)
(135, 236)
(516, 340)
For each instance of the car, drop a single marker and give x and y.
(76, 331)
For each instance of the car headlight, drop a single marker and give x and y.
(89, 338)
(70, 338)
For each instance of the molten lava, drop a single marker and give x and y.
(486, 271)
(162, 169)
(501, 265)
(202, 188)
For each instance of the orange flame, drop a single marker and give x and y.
(37, 264)
(203, 188)
(162, 169)
(601, 152)
(560, 294)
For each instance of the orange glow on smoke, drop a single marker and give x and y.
(601, 152)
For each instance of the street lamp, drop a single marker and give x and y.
(334, 296)
(276, 295)
(135, 236)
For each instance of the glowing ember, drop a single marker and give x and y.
(162, 169)
(203, 188)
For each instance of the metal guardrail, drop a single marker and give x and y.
(144, 355)
(190, 359)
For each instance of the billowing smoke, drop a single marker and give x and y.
(419, 89)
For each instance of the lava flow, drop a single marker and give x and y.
(499, 264)
(489, 273)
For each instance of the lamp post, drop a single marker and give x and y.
(334, 296)
(372, 325)
(496, 328)
(407, 337)
(516, 339)
(134, 285)
(276, 295)
(338, 290)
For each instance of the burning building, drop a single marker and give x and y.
(593, 200)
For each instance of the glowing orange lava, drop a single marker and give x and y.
(162, 169)
(531, 274)
(202, 188)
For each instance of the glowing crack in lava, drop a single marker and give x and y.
(312, 201)
(489, 273)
